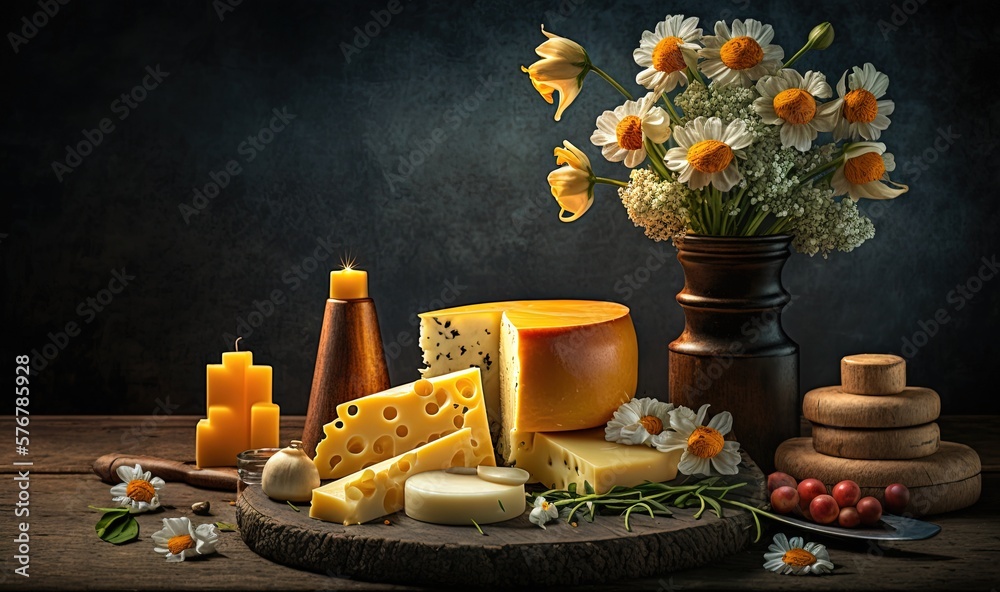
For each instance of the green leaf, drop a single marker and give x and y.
(715, 506)
(107, 522)
(588, 488)
(502, 509)
(479, 528)
(571, 488)
(106, 510)
(128, 532)
(292, 506)
(225, 527)
(117, 527)
(628, 513)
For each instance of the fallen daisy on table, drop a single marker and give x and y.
(543, 512)
(139, 491)
(706, 451)
(180, 539)
(797, 557)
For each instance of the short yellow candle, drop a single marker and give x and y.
(348, 284)
(241, 415)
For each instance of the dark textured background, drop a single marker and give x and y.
(475, 213)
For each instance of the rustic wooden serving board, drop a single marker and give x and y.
(513, 553)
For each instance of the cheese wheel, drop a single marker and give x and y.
(831, 406)
(447, 497)
(547, 365)
(873, 374)
(947, 480)
(895, 444)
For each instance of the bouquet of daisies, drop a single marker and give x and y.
(729, 131)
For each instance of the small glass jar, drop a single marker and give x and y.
(250, 466)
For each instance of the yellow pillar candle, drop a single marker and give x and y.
(348, 284)
(241, 415)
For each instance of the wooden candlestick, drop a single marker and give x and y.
(350, 363)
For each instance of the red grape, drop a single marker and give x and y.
(779, 479)
(810, 488)
(824, 509)
(784, 499)
(897, 497)
(849, 518)
(847, 493)
(869, 510)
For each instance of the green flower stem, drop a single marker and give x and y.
(656, 161)
(798, 54)
(608, 181)
(670, 109)
(611, 81)
(695, 75)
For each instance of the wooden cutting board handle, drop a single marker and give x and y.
(223, 478)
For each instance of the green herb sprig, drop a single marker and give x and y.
(116, 525)
(654, 499)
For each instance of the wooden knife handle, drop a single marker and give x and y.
(223, 478)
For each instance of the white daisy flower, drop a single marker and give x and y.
(866, 165)
(572, 183)
(139, 490)
(788, 99)
(543, 512)
(706, 152)
(640, 421)
(741, 56)
(179, 539)
(621, 133)
(666, 51)
(706, 451)
(860, 113)
(563, 67)
(797, 557)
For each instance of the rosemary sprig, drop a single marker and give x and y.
(654, 499)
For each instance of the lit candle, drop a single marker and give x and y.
(241, 415)
(348, 284)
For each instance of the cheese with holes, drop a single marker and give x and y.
(380, 489)
(548, 365)
(380, 426)
(556, 459)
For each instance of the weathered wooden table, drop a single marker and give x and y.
(66, 553)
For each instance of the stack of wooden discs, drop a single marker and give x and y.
(875, 430)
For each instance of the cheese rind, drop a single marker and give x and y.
(379, 426)
(549, 365)
(380, 489)
(556, 459)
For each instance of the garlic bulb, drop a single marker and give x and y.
(290, 475)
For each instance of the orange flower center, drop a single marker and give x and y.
(710, 156)
(140, 490)
(795, 106)
(179, 543)
(860, 106)
(741, 53)
(652, 424)
(667, 55)
(798, 557)
(865, 168)
(629, 132)
(705, 442)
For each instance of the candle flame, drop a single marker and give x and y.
(348, 262)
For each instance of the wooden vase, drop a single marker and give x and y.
(734, 353)
(350, 363)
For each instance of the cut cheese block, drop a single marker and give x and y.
(872, 374)
(446, 497)
(831, 406)
(548, 365)
(873, 444)
(556, 459)
(944, 481)
(373, 428)
(379, 489)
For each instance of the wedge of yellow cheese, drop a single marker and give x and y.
(380, 426)
(548, 365)
(556, 459)
(380, 489)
